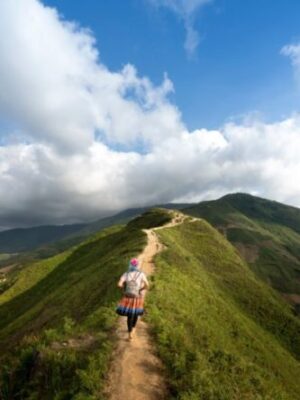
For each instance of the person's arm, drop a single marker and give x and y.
(145, 283)
(122, 282)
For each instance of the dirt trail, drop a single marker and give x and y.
(136, 372)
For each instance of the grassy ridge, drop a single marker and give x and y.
(31, 275)
(265, 210)
(57, 321)
(34, 272)
(75, 300)
(266, 233)
(73, 288)
(221, 333)
(151, 219)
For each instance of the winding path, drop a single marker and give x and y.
(136, 372)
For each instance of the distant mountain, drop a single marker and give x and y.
(48, 239)
(266, 233)
(26, 239)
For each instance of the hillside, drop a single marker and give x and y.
(266, 233)
(25, 239)
(67, 300)
(221, 333)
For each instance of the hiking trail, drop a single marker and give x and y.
(136, 373)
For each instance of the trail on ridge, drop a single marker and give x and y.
(136, 372)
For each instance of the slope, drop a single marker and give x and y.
(221, 332)
(21, 239)
(56, 325)
(266, 233)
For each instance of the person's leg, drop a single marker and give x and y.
(130, 322)
(134, 321)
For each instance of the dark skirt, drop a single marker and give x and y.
(130, 306)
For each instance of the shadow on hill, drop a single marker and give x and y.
(75, 287)
(267, 229)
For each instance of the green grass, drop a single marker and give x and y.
(271, 228)
(221, 333)
(69, 296)
(150, 219)
(32, 273)
(30, 276)
(265, 210)
(74, 287)
(82, 287)
(38, 370)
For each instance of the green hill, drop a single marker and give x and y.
(25, 239)
(266, 233)
(221, 332)
(69, 298)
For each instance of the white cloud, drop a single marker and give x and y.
(186, 10)
(293, 52)
(54, 86)
(39, 184)
(72, 113)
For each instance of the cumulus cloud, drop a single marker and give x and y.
(88, 141)
(186, 10)
(55, 88)
(38, 184)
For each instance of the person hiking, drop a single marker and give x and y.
(133, 282)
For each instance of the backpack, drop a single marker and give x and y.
(132, 288)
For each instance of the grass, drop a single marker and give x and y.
(30, 276)
(271, 228)
(150, 219)
(221, 333)
(67, 297)
(34, 272)
(39, 370)
(82, 288)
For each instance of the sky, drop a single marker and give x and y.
(236, 69)
(110, 105)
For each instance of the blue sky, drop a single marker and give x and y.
(237, 68)
(83, 136)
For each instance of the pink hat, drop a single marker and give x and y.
(134, 262)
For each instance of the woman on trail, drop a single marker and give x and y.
(133, 282)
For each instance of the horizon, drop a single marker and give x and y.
(151, 206)
(107, 106)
